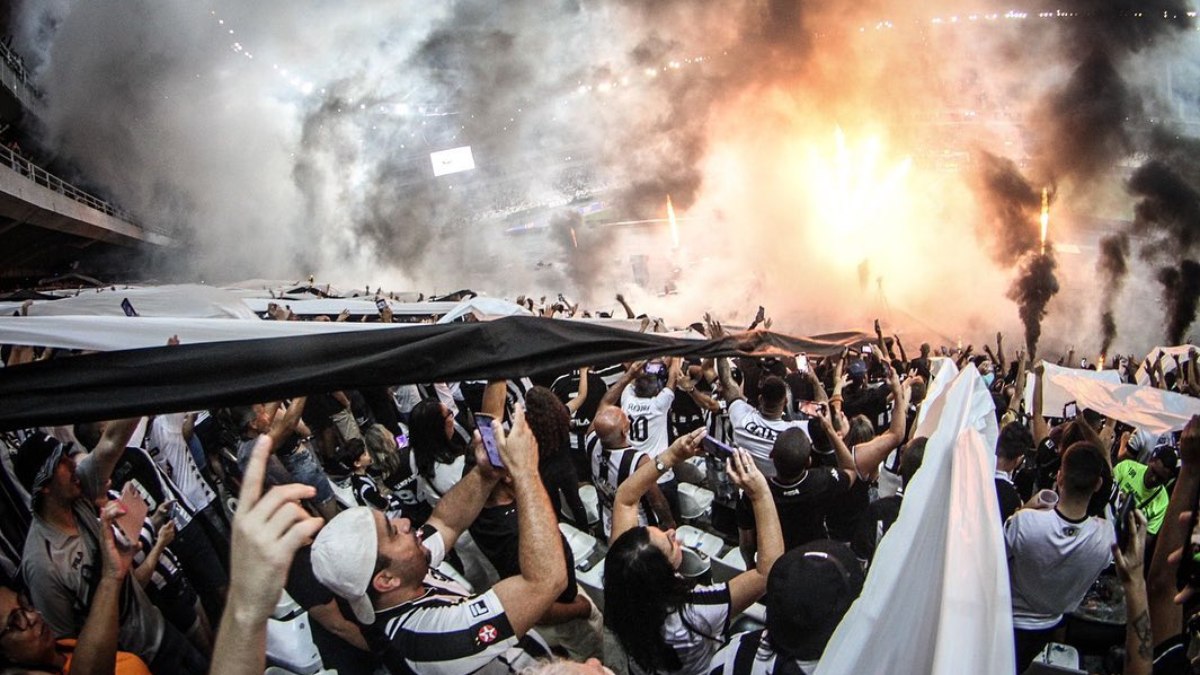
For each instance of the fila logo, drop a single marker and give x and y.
(479, 608)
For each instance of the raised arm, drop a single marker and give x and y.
(1166, 618)
(612, 397)
(1041, 430)
(107, 452)
(1139, 645)
(267, 531)
(459, 507)
(868, 456)
(527, 596)
(1014, 404)
(749, 586)
(96, 651)
(730, 391)
(1000, 350)
(845, 460)
(625, 506)
(495, 396)
(819, 394)
(900, 346)
(628, 310)
(581, 396)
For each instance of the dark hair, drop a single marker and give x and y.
(861, 431)
(773, 392)
(791, 452)
(349, 452)
(427, 438)
(912, 458)
(1014, 441)
(646, 386)
(549, 420)
(1082, 465)
(640, 590)
(88, 434)
(917, 393)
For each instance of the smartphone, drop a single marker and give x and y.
(716, 448)
(127, 307)
(802, 363)
(401, 442)
(484, 424)
(654, 368)
(866, 350)
(1122, 524)
(1070, 411)
(381, 304)
(812, 408)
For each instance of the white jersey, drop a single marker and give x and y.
(755, 434)
(170, 451)
(1052, 561)
(649, 423)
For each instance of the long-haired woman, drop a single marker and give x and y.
(664, 624)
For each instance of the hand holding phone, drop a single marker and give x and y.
(715, 448)
(488, 436)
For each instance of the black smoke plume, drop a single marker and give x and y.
(1112, 268)
(1032, 290)
(1181, 293)
(1012, 204)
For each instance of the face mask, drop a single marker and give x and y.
(987, 379)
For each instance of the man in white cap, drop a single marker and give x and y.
(423, 622)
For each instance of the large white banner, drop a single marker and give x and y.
(936, 599)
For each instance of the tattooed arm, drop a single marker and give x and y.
(1139, 642)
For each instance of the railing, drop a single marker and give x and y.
(16, 76)
(48, 180)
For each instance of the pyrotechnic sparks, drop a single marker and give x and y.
(574, 239)
(1045, 218)
(674, 225)
(853, 192)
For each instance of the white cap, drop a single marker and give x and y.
(343, 558)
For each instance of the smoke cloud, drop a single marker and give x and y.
(800, 142)
(1181, 293)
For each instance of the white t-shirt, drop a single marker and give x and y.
(648, 423)
(1052, 561)
(756, 434)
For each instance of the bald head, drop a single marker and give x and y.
(611, 425)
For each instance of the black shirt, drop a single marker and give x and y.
(801, 505)
(1009, 498)
(878, 519)
(495, 531)
(335, 652)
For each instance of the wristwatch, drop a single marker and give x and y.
(658, 464)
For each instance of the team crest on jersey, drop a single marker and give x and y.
(479, 608)
(1070, 531)
(487, 634)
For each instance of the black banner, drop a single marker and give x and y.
(167, 379)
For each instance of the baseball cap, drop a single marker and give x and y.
(37, 458)
(1165, 452)
(343, 558)
(808, 592)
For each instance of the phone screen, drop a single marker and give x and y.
(802, 363)
(1070, 411)
(381, 304)
(866, 349)
(654, 368)
(716, 448)
(484, 424)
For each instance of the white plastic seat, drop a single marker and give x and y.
(694, 501)
(695, 538)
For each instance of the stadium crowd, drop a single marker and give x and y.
(419, 525)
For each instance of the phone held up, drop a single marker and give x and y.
(484, 424)
(716, 448)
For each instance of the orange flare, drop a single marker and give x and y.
(674, 225)
(1045, 217)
